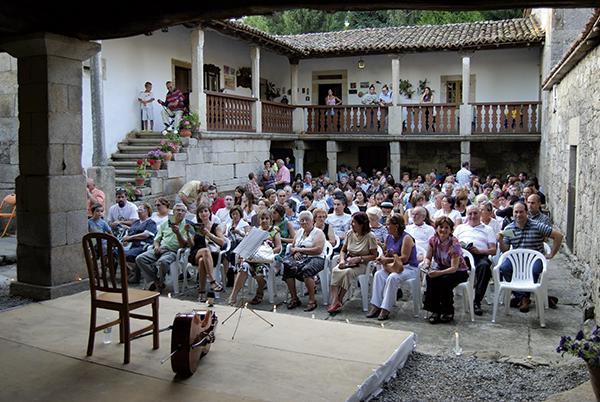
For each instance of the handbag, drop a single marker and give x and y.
(263, 255)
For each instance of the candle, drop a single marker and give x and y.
(456, 342)
(275, 308)
(313, 316)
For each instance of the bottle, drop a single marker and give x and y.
(107, 335)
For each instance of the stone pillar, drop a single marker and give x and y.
(299, 147)
(465, 111)
(395, 81)
(51, 202)
(332, 149)
(465, 152)
(395, 160)
(294, 82)
(255, 59)
(97, 94)
(198, 97)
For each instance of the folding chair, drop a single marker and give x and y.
(9, 200)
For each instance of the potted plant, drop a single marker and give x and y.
(141, 172)
(155, 158)
(588, 349)
(175, 139)
(167, 148)
(133, 194)
(189, 123)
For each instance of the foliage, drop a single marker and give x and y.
(154, 155)
(168, 146)
(173, 137)
(422, 84)
(405, 88)
(190, 121)
(586, 348)
(270, 91)
(141, 169)
(133, 193)
(291, 22)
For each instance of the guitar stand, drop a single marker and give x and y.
(243, 306)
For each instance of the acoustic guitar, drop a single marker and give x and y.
(193, 333)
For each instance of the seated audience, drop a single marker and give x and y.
(138, 238)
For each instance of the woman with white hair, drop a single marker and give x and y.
(305, 260)
(379, 231)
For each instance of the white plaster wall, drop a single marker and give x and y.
(501, 75)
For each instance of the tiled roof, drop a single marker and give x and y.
(472, 35)
(517, 31)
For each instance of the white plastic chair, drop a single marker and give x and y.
(547, 250)
(364, 281)
(522, 261)
(325, 274)
(467, 287)
(179, 267)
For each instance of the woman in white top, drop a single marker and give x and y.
(249, 207)
(162, 211)
(449, 211)
(305, 260)
(487, 217)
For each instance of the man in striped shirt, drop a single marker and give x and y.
(526, 233)
(173, 107)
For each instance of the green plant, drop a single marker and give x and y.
(584, 347)
(405, 88)
(190, 121)
(270, 91)
(422, 84)
(133, 194)
(141, 169)
(154, 155)
(168, 146)
(173, 137)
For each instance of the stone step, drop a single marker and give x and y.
(122, 163)
(123, 172)
(150, 141)
(135, 149)
(132, 156)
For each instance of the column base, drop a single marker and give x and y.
(39, 292)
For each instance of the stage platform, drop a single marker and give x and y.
(299, 359)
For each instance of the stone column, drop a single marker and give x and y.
(294, 81)
(97, 92)
(298, 113)
(395, 160)
(299, 147)
(395, 81)
(198, 97)
(332, 149)
(51, 202)
(465, 109)
(465, 152)
(255, 58)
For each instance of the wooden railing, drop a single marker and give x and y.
(228, 112)
(277, 118)
(346, 119)
(438, 118)
(506, 117)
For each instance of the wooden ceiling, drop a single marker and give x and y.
(104, 20)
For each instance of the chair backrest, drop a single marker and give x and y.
(11, 200)
(105, 257)
(337, 241)
(468, 256)
(522, 261)
(328, 249)
(547, 248)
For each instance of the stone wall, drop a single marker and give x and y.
(500, 158)
(9, 125)
(574, 120)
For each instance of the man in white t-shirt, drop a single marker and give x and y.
(123, 213)
(419, 230)
(223, 213)
(479, 240)
(338, 219)
(435, 205)
(463, 176)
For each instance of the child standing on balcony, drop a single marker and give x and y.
(146, 98)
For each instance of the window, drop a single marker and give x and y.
(453, 91)
(212, 78)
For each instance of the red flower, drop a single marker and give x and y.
(151, 161)
(139, 162)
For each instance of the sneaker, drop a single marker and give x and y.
(477, 309)
(524, 306)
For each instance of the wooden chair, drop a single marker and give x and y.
(9, 200)
(108, 287)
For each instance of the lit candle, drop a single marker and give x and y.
(347, 321)
(313, 316)
(169, 295)
(456, 342)
(274, 308)
(382, 325)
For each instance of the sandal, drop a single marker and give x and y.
(311, 306)
(216, 286)
(446, 318)
(336, 308)
(257, 300)
(434, 318)
(232, 303)
(384, 315)
(294, 303)
(202, 297)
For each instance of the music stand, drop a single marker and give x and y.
(246, 249)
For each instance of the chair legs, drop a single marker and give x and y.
(126, 336)
(540, 306)
(364, 291)
(496, 302)
(415, 289)
(324, 278)
(155, 334)
(92, 335)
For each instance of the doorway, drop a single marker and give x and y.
(454, 91)
(323, 88)
(571, 196)
(373, 157)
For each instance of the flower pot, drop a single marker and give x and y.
(139, 181)
(167, 156)
(595, 380)
(184, 132)
(156, 164)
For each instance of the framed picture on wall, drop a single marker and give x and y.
(364, 84)
(303, 90)
(308, 91)
(353, 85)
(352, 92)
(307, 98)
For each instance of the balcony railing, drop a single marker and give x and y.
(439, 118)
(346, 119)
(277, 118)
(506, 117)
(228, 112)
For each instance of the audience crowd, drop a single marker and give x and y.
(428, 221)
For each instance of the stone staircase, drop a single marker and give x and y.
(163, 182)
